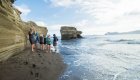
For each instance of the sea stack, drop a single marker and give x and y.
(13, 31)
(68, 32)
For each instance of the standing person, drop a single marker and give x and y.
(45, 47)
(37, 39)
(48, 41)
(41, 41)
(32, 38)
(55, 39)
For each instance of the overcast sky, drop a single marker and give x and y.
(89, 16)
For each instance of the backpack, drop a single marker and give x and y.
(48, 40)
(55, 39)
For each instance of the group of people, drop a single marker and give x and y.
(45, 41)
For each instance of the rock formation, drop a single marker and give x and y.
(13, 31)
(69, 33)
(79, 34)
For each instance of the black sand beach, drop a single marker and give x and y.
(32, 66)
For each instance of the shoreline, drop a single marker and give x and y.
(28, 65)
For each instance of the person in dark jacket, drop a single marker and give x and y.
(55, 39)
(32, 38)
(41, 41)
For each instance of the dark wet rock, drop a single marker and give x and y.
(34, 65)
(79, 34)
(31, 73)
(36, 74)
(25, 62)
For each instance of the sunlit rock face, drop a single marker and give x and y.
(40, 29)
(69, 33)
(13, 31)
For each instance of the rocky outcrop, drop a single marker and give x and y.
(40, 29)
(13, 31)
(69, 33)
(79, 34)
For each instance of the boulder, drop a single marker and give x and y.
(69, 33)
(13, 31)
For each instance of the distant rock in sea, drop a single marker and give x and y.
(131, 32)
(111, 33)
(13, 31)
(68, 32)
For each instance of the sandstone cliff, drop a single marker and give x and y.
(13, 31)
(69, 33)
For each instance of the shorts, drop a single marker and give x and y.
(48, 44)
(45, 42)
(54, 43)
(32, 40)
(41, 42)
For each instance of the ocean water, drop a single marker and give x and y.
(107, 57)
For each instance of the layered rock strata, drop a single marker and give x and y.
(69, 33)
(13, 31)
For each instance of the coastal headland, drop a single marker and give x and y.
(17, 62)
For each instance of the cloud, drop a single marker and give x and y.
(41, 23)
(52, 29)
(62, 3)
(83, 25)
(23, 8)
(45, 1)
(106, 15)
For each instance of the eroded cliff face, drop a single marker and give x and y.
(13, 31)
(40, 29)
(69, 33)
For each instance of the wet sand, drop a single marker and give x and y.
(28, 65)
